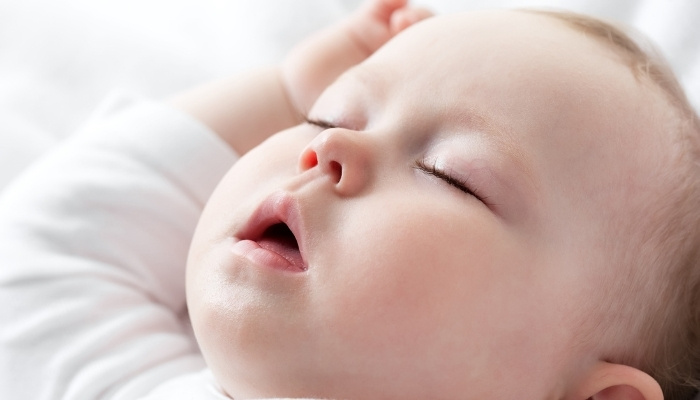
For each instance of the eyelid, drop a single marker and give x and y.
(434, 170)
(319, 123)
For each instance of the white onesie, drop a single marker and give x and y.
(93, 244)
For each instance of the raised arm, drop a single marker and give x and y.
(244, 110)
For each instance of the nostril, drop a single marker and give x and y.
(336, 170)
(309, 160)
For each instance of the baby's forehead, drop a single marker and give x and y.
(519, 39)
(464, 61)
(520, 31)
(515, 25)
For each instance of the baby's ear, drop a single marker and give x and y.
(607, 381)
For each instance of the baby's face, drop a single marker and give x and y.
(451, 232)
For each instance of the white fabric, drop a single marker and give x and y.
(60, 58)
(94, 242)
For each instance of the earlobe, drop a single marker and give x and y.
(608, 381)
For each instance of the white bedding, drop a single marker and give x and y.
(58, 59)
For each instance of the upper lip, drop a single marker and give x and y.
(280, 207)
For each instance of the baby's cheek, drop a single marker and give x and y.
(412, 274)
(274, 159)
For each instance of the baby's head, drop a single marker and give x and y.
(494, 205)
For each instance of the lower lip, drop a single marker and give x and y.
(251, 251)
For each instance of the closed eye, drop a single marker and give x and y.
(319, 123)
(432, 169)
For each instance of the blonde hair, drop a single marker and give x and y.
(670, 351)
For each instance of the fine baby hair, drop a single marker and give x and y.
(670, 345)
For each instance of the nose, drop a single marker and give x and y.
(343, 155)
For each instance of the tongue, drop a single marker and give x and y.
(287, 248)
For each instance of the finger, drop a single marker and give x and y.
(405, 17)
(382, 10)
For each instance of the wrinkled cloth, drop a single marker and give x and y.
(94, 241)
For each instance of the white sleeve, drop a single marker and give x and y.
(93, 243)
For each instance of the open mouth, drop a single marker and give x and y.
(273, 236)
(279, 239)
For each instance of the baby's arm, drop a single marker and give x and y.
(245, 110)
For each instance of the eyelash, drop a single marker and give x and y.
(432, 169)
(421, 165)
(318, 123)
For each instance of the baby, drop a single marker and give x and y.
(496, 205)
(493, 205)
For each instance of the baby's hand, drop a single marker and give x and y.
(319, 60)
